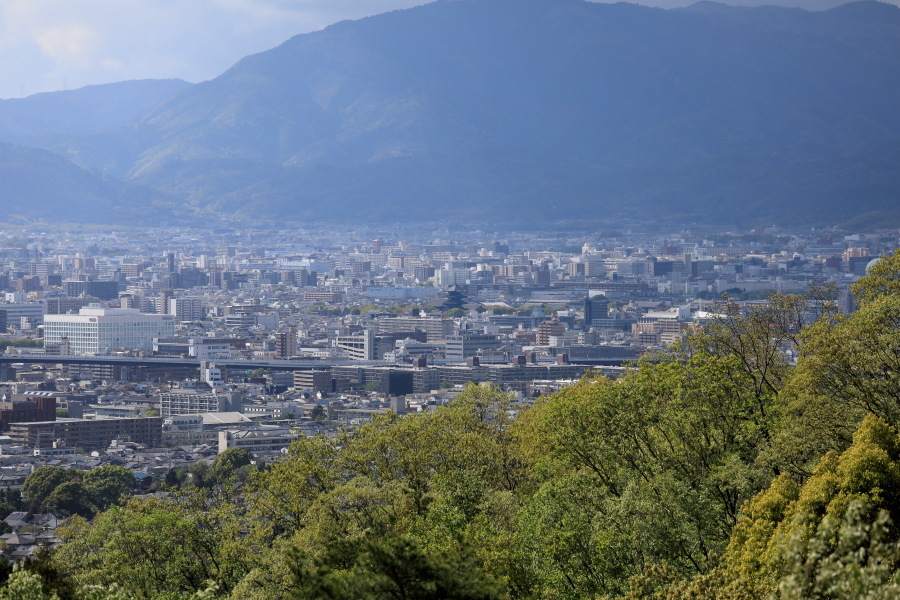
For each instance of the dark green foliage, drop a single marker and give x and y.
(227, 463)
(72, 498)
(74, 492)
(108, 484)
(391, 566)
(175, 477)
(202, 475)
(40, 484)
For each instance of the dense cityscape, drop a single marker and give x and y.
(154, 349)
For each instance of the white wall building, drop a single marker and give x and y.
(187, 308)
(358, 347)
(100, 330)
(193, 402)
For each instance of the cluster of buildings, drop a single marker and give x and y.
(205, 340)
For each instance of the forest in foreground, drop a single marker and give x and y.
(716, 470)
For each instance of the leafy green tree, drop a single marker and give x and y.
(279, 497)
(72, 497)
(107, 485)
(848, 367)
(827, 538)
(175, 478)
(445, 478)
(853, 359)
(393, 566)
(881, 281)
(649, 470)
(758, 336)
(847, 559)
(25, 585)
(12, 498)
(227, 464)
(202, 474)
(157, 548)
(41, 483)
(6, 508)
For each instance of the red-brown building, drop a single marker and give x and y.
(35, 407)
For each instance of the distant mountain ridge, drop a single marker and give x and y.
(518, 110)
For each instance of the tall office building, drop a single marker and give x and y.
(286, 343)
(596, 307)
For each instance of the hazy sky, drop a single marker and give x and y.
(48, 45)
(65, 44)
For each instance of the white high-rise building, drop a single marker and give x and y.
(187, 308)
(100, 330)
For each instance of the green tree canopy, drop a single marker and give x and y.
(827, 538)
(157, 548)
(108, 484)
(40, 484)
(881, 280)
(72, 497)
(227, 463)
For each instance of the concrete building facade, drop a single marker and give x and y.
(100, 330)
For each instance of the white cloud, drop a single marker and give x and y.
(47, 44)
(73, 45)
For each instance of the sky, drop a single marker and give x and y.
(51, 45)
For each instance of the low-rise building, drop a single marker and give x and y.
(256, 440)
(194, 402)
(87, 433)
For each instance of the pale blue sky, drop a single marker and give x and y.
(48, 45)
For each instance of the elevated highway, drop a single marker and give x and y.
(174, 361)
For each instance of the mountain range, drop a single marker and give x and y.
(513, 111)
